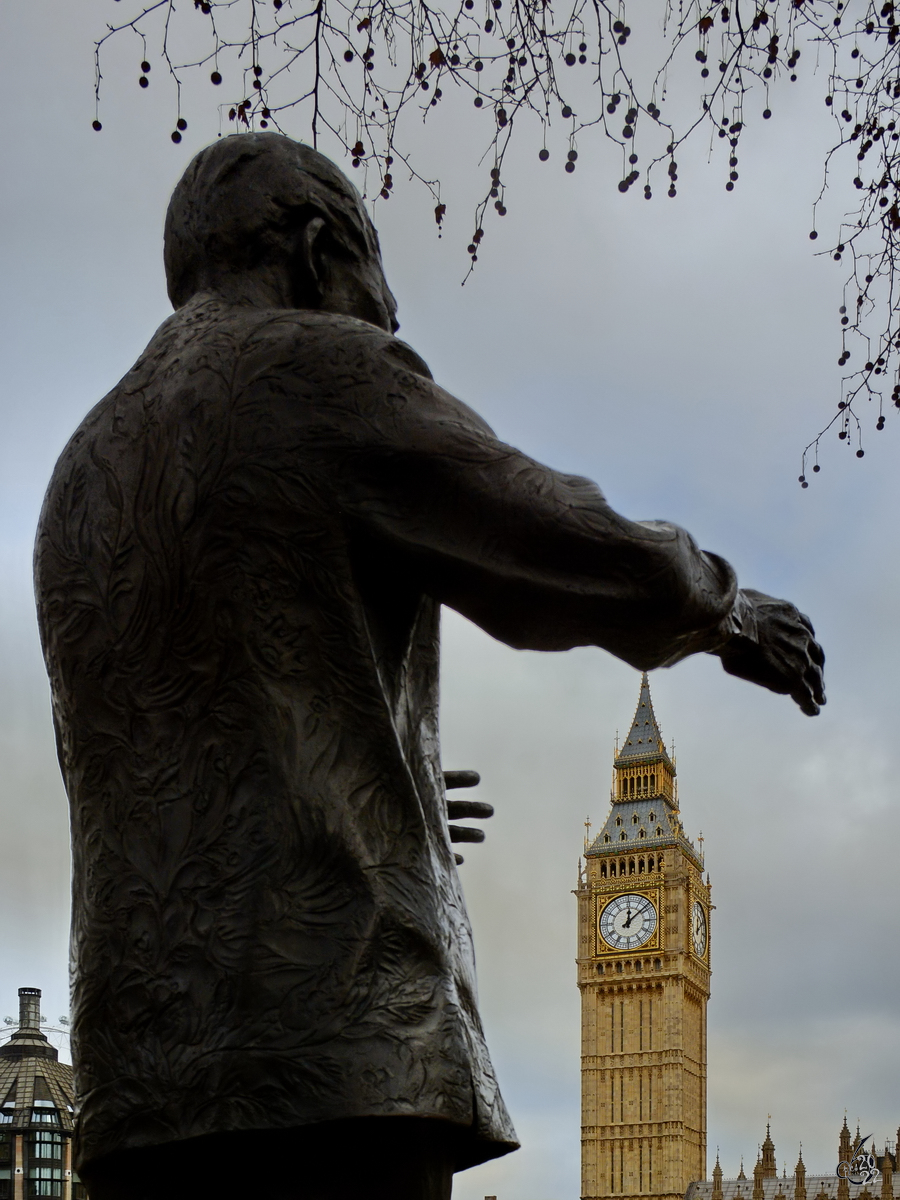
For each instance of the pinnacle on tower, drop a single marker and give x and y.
(845, 1151)
(845, 1146)
(800, 1178)
(887, 1176)
(769, 1166)
(717, 1179)
(644, 784)
(644, 739)
(758, 1190)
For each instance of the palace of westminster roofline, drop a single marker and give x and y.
(766, 1184)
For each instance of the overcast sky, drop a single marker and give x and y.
(681, 353)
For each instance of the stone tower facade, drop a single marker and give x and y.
(643, 973)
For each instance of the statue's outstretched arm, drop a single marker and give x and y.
(541, 561)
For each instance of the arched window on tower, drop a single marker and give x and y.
(631, 866)
(623, 836)
(652, 786)
(641, 866)
(642, 833)
(659, 831)
(603, 870)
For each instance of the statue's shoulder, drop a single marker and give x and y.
(339, 342)
(330, 348)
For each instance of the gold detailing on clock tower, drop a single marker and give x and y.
(643, 973)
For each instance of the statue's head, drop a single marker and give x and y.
(260, 218)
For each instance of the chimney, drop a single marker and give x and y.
(29, 1008)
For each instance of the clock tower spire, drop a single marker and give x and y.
(643, 973)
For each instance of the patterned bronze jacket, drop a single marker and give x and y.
(239, 567)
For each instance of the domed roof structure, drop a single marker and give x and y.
(32, 1079)
(37, 1099)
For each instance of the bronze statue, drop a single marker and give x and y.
(240, 566)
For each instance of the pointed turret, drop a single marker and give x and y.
(758, 1189)
(845, 1153)
(769, 1166)
(644, 795)
(644, 738)
(800, 1178)
(717, 1179)
(741, 1174)
(887, 1176)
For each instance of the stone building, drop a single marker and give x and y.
(643, 972)
(36, 1109)
(768, 1185)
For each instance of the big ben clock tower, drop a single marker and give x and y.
(643, 973)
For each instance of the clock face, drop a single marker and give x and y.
(628, 921)
(698, 929)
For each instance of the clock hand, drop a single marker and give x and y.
(631, 917)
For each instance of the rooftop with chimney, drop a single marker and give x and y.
(35, 1087)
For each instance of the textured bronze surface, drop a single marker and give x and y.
(239, 568)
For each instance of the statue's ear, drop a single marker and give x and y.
(309, 267)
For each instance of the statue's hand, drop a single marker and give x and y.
(774, 645)
(457, 809)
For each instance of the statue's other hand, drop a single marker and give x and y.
(784, 655)
(457, 809)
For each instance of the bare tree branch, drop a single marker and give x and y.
(360, 68)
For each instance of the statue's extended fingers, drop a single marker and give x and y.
(462, 833)
(805, 697)
(817, 683)
(458, 809)
(461, 779)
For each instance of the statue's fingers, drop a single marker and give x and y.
(817, 683)
(805, 699)
(459, 809)
(463, 833)
(461, 779)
